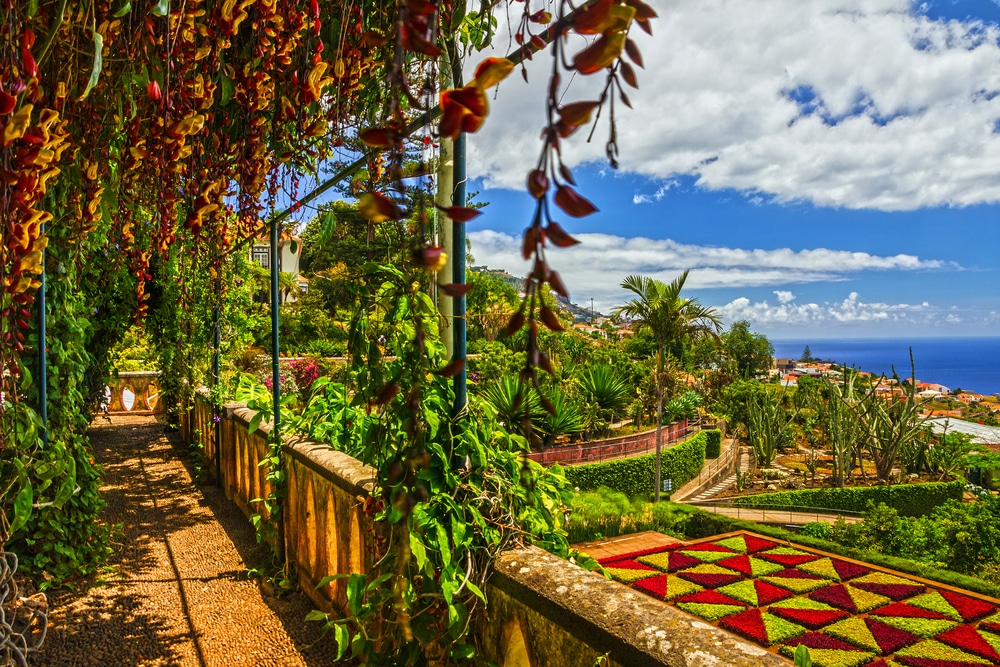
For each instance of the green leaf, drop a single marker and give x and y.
(255, 422)
(329, 579)
(227, 88)
(124, 9)
(32, 8)
(316, 615)
(22, 505)
(462, 651)
(418, 550)
(343, 640)
(162, 8)
(802, 657)
(443, 544)
(475, 590)
(355, 593)
(95, 73)
(68, 485)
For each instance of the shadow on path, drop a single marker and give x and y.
(175, 591)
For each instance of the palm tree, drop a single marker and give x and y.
(671, 318)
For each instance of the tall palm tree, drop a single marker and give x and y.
(671, 318)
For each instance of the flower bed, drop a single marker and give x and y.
(846, 613)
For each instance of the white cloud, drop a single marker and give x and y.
(851, 310)
(784, 296)
(596, 267)
(661, 192)
(848, 103)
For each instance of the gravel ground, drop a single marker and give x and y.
(175, 591)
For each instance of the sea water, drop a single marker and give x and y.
(971, 364)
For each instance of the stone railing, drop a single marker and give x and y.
(543, 611)
(613, 448)
(136, 393)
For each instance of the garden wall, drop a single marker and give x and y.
(907, 499)
(611, 448)
(543, 611)
(634, 476)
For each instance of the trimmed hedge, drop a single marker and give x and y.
(634, 476)
(706, 524)
(907, 499)
(713, 443)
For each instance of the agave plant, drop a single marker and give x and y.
(603, 386)
(513, 401)
(567, 420)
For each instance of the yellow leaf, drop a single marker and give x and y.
(18, 124)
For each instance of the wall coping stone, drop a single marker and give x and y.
(634, 628)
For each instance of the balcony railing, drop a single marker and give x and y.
(134, 393)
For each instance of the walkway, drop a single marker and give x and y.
(795, 517)
(176, 590)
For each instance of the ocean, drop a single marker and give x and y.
(972, 364)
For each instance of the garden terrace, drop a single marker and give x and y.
(847, 612)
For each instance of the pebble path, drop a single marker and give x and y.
(176, 590)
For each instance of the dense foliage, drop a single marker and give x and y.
(634, 476)
(908, 499)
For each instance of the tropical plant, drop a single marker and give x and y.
(516, 404)
(566, 420)
(602, 385)
(768, 427)
(683, 407)
(660, 308)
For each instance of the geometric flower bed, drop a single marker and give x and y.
(847, 613)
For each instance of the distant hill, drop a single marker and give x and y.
(578, 313)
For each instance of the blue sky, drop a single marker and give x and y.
(829, 167)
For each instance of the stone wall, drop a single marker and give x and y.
(543, 611)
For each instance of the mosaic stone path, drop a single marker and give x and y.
(847, 613)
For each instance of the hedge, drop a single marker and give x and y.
(634, 476)
(706, 524)
(907, 499)
(713, 443)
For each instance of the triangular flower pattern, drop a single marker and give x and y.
(847, 614)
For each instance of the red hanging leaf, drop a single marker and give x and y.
(566, 174)
(546, 365)
(376, 207)
(537, 42)
(557, 284)
(600, 54)
(558, 236)
(373, 39)
(550, 320)
(530, 241)
(153, 91)
(463, 110)
(538, 183)
(414, 42)
(422, 7)
(460, 213)
(643, 12)
(514, 325)
(492, 71)
(387, 394)
(432, 258)
(577, 113)
(570, 201)
(7, 103)
(633, 52)
(628, 74)
(541, 16)
(378, 137)
(452, 369)
(455, 290)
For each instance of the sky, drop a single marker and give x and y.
(823, 168)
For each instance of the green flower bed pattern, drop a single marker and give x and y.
(846, 613)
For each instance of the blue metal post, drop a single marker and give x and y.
(275, 370)
(43, 379)
(216, 344)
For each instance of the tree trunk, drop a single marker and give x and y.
(659, 437)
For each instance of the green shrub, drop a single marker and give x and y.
(907, 499)
(713, 443)
(634, 476)
(606, 513)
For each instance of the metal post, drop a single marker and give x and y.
(216, 417)
(43, 380)
(275, 370)
(458, 239)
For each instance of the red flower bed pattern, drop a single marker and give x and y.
(847, 614)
